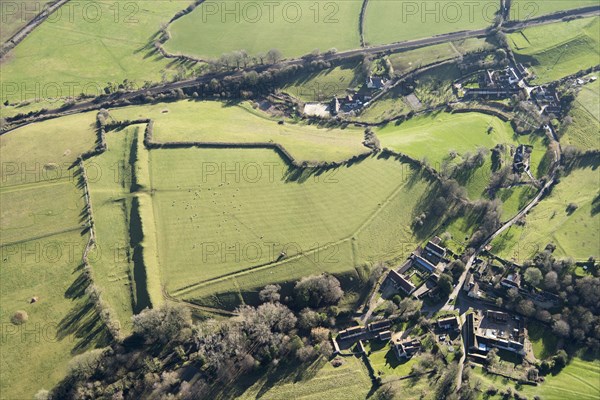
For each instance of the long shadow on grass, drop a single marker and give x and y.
(84, 323)
(587, 161)
(80, 284)
(142, 297)
(325, 173)
(265, 379)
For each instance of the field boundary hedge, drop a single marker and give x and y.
(104, 310)
(278, 148)
(361, 22)
(514, 24)
(482, 110)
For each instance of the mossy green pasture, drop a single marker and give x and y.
(558, 49)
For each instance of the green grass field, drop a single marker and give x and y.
(42, 245)
(314, 381)
(578, 380)
(111, 202)
(179, 122)
(543, 341)
(384, 360)
(51, 208)
(583, 132)
(221, 198)
(27, 106)
(575, 235)
(61, 323)
(388, 234)
(514, 199)
(109, 43)
(323, 85)
(406, 61)
(388, 106)
(433, 88)
(258, 28)
(477, 180)
(242, 287)
(559, 49)
(44, 151)
(524, 9)
(433, 136)
(399, 20)
(15, 15)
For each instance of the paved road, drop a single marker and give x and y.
(22, 33)
(89, 105)
(456, 292)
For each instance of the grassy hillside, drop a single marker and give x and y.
(583, 132)
(559, 49)
(578, 380)
(395, 21)
(524, 9)
(42, 244)
(514, 199)
(390, 105)
(61, 323)
(259, 28)
(318, 380)
(81, 52)
(40, 210)
(44, 151)
(111, 203)
(575, 235)
(433, 136)
(15, 15)
(203, 121)
(323, 85)
(225, 207)
(405, 61)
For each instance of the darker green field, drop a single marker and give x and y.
(559, 49)
(399, 20)
(575, 234)
(257, 28)
(583, 131)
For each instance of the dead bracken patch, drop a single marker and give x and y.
(19, 317)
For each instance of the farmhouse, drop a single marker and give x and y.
(405, 348)
(521, 158)
(430, 259)
(350, 333)
(511, 76)
(347, 104)
(434, 253)
(494, 329)
(512, 280)
(471, 285)
(424, 265)
(400, 282)
(547, 100)
(379, 326)
(448, 323)
(375, 82)
(474, 292)
(385, 335)
(498, 84)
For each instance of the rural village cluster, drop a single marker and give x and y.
(367, 199)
